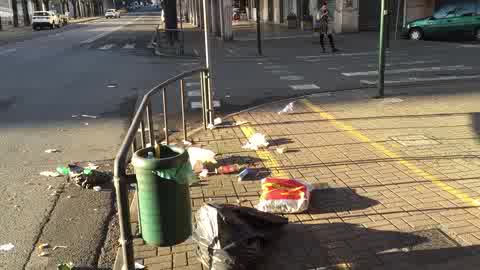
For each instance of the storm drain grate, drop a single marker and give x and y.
(414, 140)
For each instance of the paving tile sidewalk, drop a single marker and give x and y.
(404, 177)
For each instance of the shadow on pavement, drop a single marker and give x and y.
(338, 200)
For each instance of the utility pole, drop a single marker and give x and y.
(387, 28)
(381, 53)
(259, 34)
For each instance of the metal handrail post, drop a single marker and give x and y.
(202, 94)
(165, 117)
(182, 96)
(209, 96)
(124, 221)
(151, 133)
(142, 134)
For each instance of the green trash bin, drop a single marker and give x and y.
(164, 195)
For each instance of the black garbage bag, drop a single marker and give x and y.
(231, 237)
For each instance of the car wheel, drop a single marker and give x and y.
(52, 26)
(415, 34)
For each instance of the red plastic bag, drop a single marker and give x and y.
(280, 195)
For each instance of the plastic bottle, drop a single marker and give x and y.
(228, 169)
(150, 155)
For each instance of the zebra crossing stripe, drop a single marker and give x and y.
(190, 84)
(407, 70)
(129, 46)
(106, 47)
(429, 79)
(291, 78)
(198, 104)
(304, 87)
(194, 93)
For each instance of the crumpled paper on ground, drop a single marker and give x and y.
(288, 108)
(255, 142)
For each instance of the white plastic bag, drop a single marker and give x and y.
(256, 141)
(201, 155)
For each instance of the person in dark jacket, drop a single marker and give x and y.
(323, 18)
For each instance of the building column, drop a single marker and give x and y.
(227, 10)
(276, 11)
(264, 10)
(346, 16)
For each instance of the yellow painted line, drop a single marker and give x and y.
(412, 167)
(268, 160)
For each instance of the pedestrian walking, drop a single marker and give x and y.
(323, 17)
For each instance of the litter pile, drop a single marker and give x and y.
(284, 196)
(84, 177)
(232, 237)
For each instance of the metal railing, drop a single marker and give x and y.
(122, 181)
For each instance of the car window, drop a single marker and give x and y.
(445, 11)
(467, 8)
(41, 14)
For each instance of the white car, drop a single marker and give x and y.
(45, 18)
(112, 13)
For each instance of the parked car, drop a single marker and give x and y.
(460, 19)
(45, 18)
(112, 13)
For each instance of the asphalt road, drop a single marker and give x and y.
(45, 80)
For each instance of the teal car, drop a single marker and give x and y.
(456, 19)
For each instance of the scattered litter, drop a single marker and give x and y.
(210, 126)
(231, 237)
(7, 247)
(204, 173)
(239, 123)
(84, 177)
(43, 246)
(66, 266)
(50, 174)
(49, 151)
(69, 197)
(97, 188)
(89, 116)
(49, 187)
(91, 166)
(255, 142)
(112, 85)
(217, 121)
(280, 195)
(227, 169)
(187, 143)
(201, 155)
(43, 254)
(288, 108)
(86, 124)
(139, 266)
(281, 150)
(58, 247)
(54, 193)
(243, 174)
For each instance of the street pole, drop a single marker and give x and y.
(208, 65)
(387, 23)
(259, 34)
(381, 53)
(399, 2)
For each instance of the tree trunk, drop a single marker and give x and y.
(15, 13)
(74, 4)
(37, 5)
(26, 15)
(47, 4)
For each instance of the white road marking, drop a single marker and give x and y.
(190, 84)
(8, 51)
(92, 39)
(407, 63)
(194, 93)
(291, 78)
(274, 67)
(304, 87)
(106, 47)
(429, 79)
(129, 46)
(198, 104)
(469, 46)
(407, 70)
(279, 72)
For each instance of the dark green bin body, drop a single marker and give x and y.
(164, 205)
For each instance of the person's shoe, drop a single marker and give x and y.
(334, 50)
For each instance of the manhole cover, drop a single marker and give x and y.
(414, 140)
